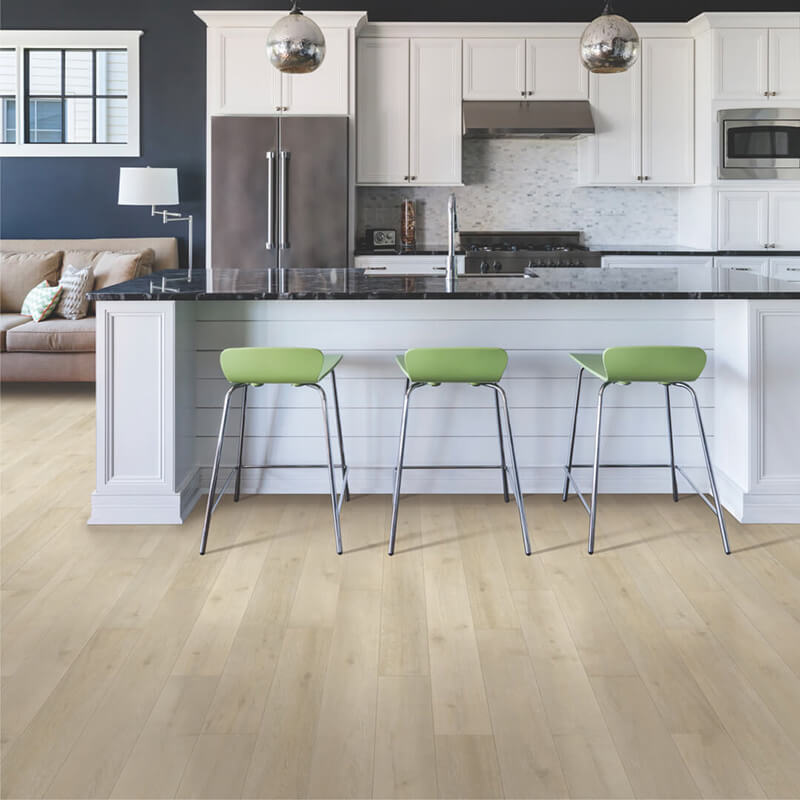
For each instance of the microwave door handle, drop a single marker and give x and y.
(284, 200)
(271, 200)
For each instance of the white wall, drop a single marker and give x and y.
(529, 184)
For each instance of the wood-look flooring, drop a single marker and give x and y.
(132, 667)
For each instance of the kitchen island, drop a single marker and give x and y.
(160, 388)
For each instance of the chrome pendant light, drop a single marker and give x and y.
(609, 43)
(295, 44)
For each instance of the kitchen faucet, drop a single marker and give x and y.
(452, 227)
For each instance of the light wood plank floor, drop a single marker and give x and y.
(132, 667)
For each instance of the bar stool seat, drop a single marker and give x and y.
(294, 366)
(477, 366)
(666, 365)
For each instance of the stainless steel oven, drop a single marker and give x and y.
(760, 143)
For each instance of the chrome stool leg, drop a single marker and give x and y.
(238, 484)
(596, 466)
(339, 434)
(671, 446)
(503, 466)
(523, 521)
(210, 505)
(331, 474)
(718, 507)
(398, 474)
(571, 451)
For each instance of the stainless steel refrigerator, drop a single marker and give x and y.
(279, 192)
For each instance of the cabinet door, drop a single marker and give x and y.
(494, 69)
(740, 63)
(742, 220)
(435, 117)
(326, 90)
(784, 64)
(668, 110)
(613, 155)
(382, 111)
(784, 220)
(554, 70)
(242, 81)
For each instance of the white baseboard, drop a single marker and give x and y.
(758, 507)
(144, 509)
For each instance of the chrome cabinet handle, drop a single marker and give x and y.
(373, 269)
(766, 94)
(742, 269)
(523, 94)
(284, 207)
(270, 200)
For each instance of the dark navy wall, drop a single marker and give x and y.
(62, 197)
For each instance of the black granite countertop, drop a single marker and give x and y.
(667, 283)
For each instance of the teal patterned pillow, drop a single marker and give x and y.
(41, 301)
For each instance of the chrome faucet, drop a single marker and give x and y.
(452, 227)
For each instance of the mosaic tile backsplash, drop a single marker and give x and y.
(528, 184)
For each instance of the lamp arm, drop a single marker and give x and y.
(174, 216)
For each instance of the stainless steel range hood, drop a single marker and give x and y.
(527, 119)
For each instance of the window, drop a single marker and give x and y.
(69, 93)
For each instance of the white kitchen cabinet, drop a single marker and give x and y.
(785, 269)
(536, 68)
(382, 111)
(613, 155)
(743, 220)
(756, 63)
(406, 265)
(644, 119)
(736, 273)
(784, 220)
(668, 111)
(784, 64)
(494, 69)
(409, 111)
(554, 70)
(242, 81)
(758, 220)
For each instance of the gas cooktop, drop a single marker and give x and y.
(512, 252)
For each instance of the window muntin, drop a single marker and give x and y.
(86, 88)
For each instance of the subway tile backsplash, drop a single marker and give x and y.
(528, 184)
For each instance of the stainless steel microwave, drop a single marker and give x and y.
(759, 143)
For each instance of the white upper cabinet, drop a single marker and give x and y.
(326, 90)
(668, 111)
(784, 220)
(784, 64)
(743, 220)
(382, 111)
(614, 154)
(537, 69)
(435, 111)
(756, 63)
(242, 80)
(644, 119)
(494, 69)
(408, 118)
(554, 70)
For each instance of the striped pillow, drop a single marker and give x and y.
(41, 301)
(75, 283)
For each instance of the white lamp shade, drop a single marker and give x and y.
(148, 186)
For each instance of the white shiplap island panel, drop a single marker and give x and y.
(746, 392)
(449, 424)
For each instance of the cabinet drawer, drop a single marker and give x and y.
(785, 269)
(406, 265)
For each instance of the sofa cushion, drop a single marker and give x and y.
(52, 336)
(79, 259)
(7, 322)
(111, 268)
(20, 272)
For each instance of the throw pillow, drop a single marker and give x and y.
(41, 301)
(111, 268)
(20, 272)
(75, 283)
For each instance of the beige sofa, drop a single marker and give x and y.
(59, 349)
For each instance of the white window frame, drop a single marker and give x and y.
(65, 40)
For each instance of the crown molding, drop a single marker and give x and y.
(266, 19)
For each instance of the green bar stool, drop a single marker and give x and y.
(478, 366)
(295, 366)
(669, 366)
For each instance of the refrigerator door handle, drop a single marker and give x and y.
(271, 200)
(284, 207)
